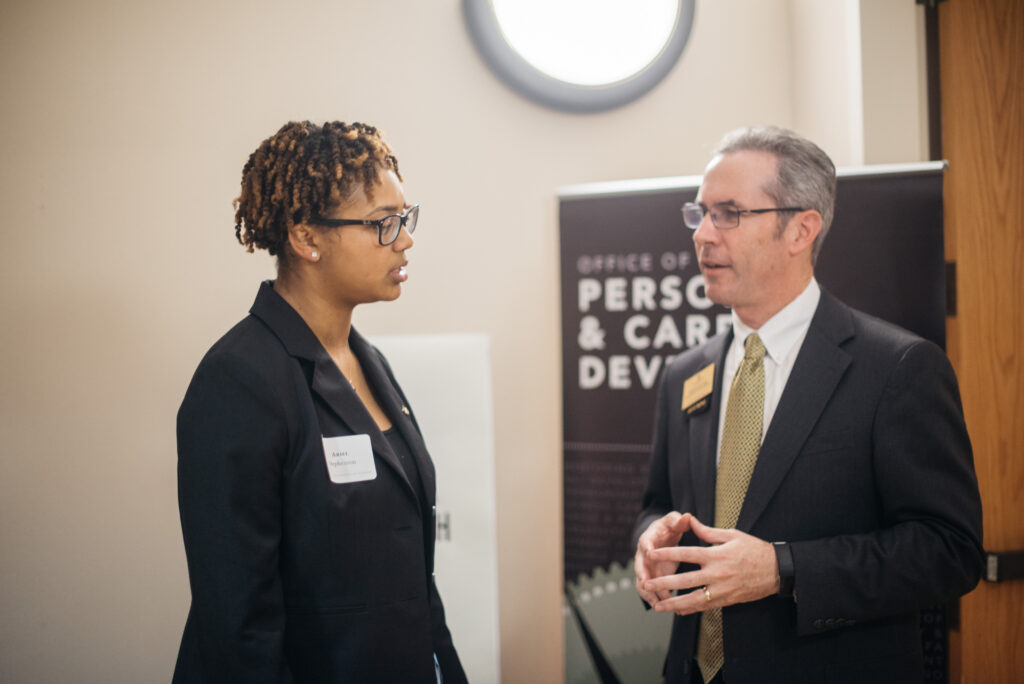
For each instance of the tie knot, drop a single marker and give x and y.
(753, 347)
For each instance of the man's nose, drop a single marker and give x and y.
(706, 231)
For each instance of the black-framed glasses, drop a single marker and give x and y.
(388, 228)
(723, 216)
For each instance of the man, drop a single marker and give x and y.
(843, 497)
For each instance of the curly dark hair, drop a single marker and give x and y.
(300, 172)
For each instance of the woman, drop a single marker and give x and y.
(305, 489)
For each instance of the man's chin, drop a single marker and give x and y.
(716, 294)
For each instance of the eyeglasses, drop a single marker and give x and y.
(723, 216)
(388, 228)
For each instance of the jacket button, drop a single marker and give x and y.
(819, 624)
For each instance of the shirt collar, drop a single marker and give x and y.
(782, 331)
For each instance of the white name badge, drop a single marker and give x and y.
(349, 459)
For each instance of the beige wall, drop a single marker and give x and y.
(859, 81)
(125, 126)
(893, 81)
(827, 77)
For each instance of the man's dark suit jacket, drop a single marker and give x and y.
(866, 470)
(295, 578)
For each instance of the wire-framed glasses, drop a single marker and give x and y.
(388, 227)
(723, 216)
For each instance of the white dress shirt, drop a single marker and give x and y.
(783, 335)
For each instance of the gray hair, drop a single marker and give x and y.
(806, 177)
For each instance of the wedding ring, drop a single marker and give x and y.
(707, 593)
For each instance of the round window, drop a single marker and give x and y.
(580, 55)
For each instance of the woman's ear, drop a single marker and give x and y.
(305, 242)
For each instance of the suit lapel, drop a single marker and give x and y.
(342, 400)
(328, 382)
(385, 389)
(819, 367)
(704, 434)
(394, 403)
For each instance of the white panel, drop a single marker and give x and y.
(447, 379)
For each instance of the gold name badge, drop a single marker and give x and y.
(697, 389)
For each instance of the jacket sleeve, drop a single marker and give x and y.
(928, 547)
(232, 444)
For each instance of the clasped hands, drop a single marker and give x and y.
(737, 568)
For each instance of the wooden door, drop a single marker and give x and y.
(981, 67)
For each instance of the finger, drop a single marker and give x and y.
(650, 542)
(658, 595)
(641, 570)
(662, 532)
(643, 574)
(649, 596)
(682, 581)
(702, 598)
(639, 582)
(687, 604)
(664, 523)
(672, 518)
(681, 524)
(712, 535)
(698, 555)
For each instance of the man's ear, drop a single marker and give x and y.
(803, 229)
(305, 242)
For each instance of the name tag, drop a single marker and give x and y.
(697, 390)
(349, 459)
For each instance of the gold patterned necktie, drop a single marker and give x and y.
(741, 440)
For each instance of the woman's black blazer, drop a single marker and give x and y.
(295, 578)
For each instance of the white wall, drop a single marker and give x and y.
(895, 97)
(859, 79)
(827, 85)
(125, 127)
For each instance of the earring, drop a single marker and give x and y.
(315, 255)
